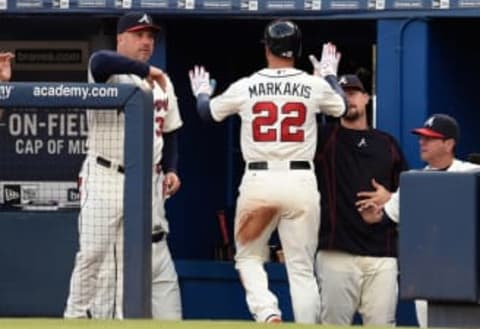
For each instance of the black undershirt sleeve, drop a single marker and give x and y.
(203, 108)
(333, 82)
(105, 63)
(169, 160)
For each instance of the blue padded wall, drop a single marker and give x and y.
(438, 245)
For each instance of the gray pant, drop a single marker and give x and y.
(350, 283)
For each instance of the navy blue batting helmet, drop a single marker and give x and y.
(283, 38)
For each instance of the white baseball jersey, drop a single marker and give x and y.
(166, 117)
(277, 108)
(106, 128)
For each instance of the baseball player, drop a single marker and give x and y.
(438, 139)
(356, 262)
(277, 106)
(6, 66)
(102, 177)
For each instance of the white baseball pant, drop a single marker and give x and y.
(288, 200)
(421, 309)
(166, 303)
(99, 224)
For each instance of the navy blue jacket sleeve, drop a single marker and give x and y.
(105, 63)
(332, 81)
(169, 160)
(203, 108)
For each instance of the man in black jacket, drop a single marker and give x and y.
(356, 261)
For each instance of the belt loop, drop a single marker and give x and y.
(300, 165)
(259, 165)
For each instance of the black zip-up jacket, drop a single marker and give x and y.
(345, 163)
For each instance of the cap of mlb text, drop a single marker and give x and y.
(134, 21)
(351, 81)
(439, 126)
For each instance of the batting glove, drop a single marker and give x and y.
(200, 81)
(328, 64)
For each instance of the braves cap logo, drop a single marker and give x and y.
(362, 143)
(135, 21)
(429, 122)
(145, 19)
(343, 80)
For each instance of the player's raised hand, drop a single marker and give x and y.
(5, 66)
(171, 184)
(200, 81)
(157, 75)
(328, 64)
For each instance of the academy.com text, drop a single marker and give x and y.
(74, 91)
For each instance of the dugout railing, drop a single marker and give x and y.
(138, 108)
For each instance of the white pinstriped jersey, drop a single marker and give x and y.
(166, 117)
(106, 128)
(278, 110)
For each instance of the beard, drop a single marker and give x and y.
(353, 114)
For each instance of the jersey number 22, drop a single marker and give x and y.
(290, 126)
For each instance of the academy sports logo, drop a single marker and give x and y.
(5, 91)
(11, 194)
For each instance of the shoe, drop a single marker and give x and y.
(274, 318)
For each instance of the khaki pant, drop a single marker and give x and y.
(350, 283)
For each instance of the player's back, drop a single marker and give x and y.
(278, 108)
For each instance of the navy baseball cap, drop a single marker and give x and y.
(351, 81)
(135, 21)
(439, 126)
